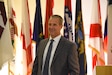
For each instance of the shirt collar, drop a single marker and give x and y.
(56, 38)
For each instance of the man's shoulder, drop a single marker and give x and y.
(67, 41)
(44, 40)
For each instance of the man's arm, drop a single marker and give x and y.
(35, 67)
(74, 61)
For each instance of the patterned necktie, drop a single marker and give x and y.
(46, 65)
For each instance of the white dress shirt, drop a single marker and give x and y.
(55, 43)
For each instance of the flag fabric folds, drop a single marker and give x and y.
(38, 25)
(68, 32)
(105, 42)
(5, 38)
(26, 38)
(14, 35)
(80, 39)
(3, 16)
(49, 12)
(109, 62)
(12, 21)
(95, 36)
(105, 36)
(12, 18)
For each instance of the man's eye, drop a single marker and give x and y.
(54, 24)
(49, 24)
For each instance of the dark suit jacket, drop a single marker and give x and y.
(64, 61)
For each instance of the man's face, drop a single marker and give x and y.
(54, 27)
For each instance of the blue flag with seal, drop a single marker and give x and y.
(80, 39)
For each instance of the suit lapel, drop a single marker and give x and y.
(59, 48)
(43, 46)
(42, 50)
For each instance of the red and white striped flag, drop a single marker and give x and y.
(26, 38)
(96, 41)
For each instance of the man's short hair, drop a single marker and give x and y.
(59, 17)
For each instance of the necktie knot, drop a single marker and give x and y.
(51, 40)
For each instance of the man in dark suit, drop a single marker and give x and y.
(64, 57)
